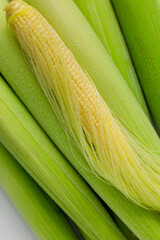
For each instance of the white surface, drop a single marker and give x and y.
(12, 225)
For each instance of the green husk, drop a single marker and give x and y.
(85, 237)
(26, 141)
(140, 23)
(127, 233)
(101, 16)
(26, 87)
(42, 215)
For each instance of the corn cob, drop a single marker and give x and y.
(101, 16)
(143, 223)
(42, 215)
(112, 152)
(140, 22)
(21, 135)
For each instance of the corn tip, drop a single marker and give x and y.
(14, 8)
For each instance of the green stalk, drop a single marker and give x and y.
(42, 215)
(140, 22)
(101, 16)
(143, 223)
(26, 141)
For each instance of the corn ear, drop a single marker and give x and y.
(26, 87)
(140, 22)
(111, 151)
(102, 18)
(21, 135)
(42, 215)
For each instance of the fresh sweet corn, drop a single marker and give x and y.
(87, 48)
(110, 149)
(42, 215)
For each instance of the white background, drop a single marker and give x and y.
(12, 225)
